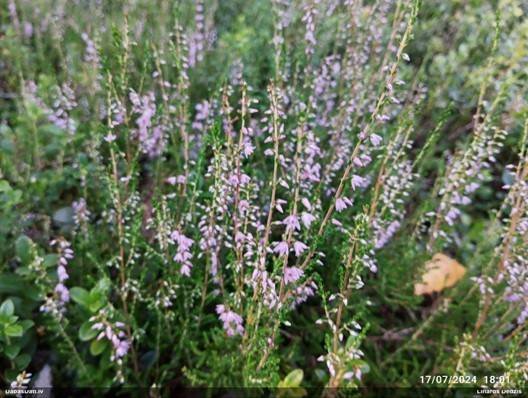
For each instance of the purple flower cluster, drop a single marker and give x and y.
(150, 133)
(57, 303)
(466, 175)
(81, 213)
(308, 19)
(114, 333)
(232, 321)
(183, 254)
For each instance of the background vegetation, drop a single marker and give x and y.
(245, 193)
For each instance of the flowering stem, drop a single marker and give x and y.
(294, 212)
(515, 218)
(122, 266)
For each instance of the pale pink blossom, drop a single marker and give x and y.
(292, 223)
(307, 219)
(299, 247)
(357, 181)
(292, 274)
(375, 139)
(281, 248)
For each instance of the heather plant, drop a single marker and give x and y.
(245, 194)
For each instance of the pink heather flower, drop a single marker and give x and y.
(203, 111)
(232, 321)
(28, 30)
(382, 118)
(176, 180)
(472, 187)
(22, 380)
(248, 149)
(62, 294)
(292, 274)
(231, 316)
(184, 242)
(233, 180)
(307, 219)
(375, 139)
(279, 204)
(312, 173)
(242, 205)
(309, 36)
(357, 181)
(366, 159)
(185, 270)
(306, 204)
(97, 326)
(183, 254)
(281, 248)
(245, 179)
(292, 222)
(62, 291)
(299, 247)
(240, 237)
(342, 204)
(61, 273)
(150, 133)
(121, 346)
(82, 213)
(336, 222)
(452, 215)
(110, 137)
(302, 293)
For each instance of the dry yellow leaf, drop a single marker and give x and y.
(441, 272)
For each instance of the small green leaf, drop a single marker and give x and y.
(322, 376)
(95, 300)
(293, 379)
(63, 216)
(26, 324)
(507, 177)
(23, 249)
(103, 286)
(11, 284)
(33, 295)
(14, 331)
(98, 346)
(12, 351)
(11, 374)
(22, 271)
(80, 296)
(50, 260)
(22, 361)
(86, 333)
(7, 308)
(51, 129)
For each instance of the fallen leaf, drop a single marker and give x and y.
(441, 272)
